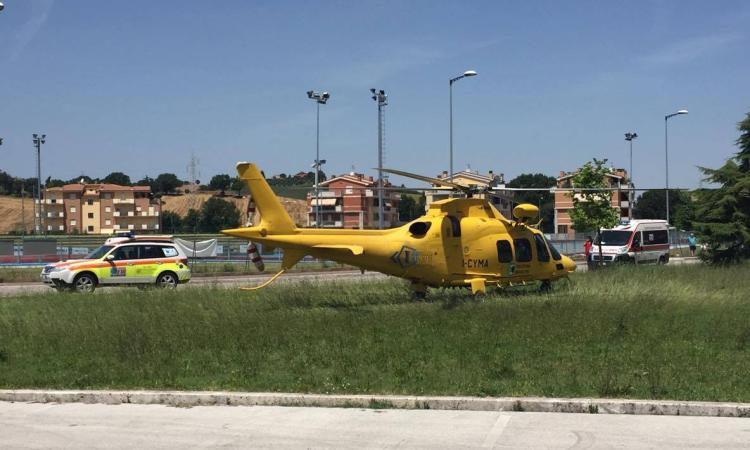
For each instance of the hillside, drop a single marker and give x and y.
(10, 209)
(181, 204)
(10, 214)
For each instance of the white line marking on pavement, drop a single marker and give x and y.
(496, 431)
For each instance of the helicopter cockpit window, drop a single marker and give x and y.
(555, 254)
(523, 249)
(542, 254)
(504, 251)
(419, 228)
(455, 226)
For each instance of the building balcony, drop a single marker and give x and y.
(325, 209)
(331, 224)
(55, 215)
(322, 194)
(116, 214)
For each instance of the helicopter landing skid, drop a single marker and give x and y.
(265, 283)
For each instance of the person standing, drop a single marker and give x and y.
(692, 243)
(587, 250)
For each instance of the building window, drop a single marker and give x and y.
(107, 209)
(72, 209)
(71, 196)
(90, 201)
(90, 228)
(72, 223)
(107, 196)
(349, 190)
(107, 222)
(562, 229)
(90, 215)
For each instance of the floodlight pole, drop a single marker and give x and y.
(468, 73)
(319, 98)
(631, 195)
(382, 99)
(38, 141)
(666, 153)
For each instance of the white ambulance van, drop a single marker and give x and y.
(638, 241)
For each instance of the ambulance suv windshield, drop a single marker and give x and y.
(615, 238)
(99, 252)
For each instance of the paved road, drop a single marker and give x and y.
(249, 280)
(78, 425)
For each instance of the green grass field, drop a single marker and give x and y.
(639, 332)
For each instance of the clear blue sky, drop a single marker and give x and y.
(138, 85)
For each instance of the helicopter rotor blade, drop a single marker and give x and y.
(430, 180)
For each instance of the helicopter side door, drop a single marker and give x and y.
(451, 233)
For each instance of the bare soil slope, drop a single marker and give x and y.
(10, 214)
(181, 204)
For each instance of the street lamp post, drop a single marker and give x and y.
(468, 73)
(629, 137)
(320, 98)
(38, 141)
(382, 99)
(666, 153)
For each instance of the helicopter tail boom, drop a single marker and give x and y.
(274, 218)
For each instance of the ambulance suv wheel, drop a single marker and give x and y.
(167, 280)
(84, 283)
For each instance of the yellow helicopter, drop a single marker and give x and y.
(459, 242)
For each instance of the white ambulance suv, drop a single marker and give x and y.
(122, 260)
(638, 241)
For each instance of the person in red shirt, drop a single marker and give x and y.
(587, 250)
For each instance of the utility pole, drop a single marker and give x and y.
(666, 153)
(382, 99)
(631, 197)
(38, 141)
(468, 73)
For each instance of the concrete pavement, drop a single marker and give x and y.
(76, 425)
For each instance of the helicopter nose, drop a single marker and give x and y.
(569, 264)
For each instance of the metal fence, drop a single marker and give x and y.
(16, 250)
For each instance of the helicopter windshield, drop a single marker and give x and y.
(613, 237)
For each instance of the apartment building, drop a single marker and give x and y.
(617, 178)
(351, 201)
(100, 209)
(501, 199)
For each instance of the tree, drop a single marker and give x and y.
(171, 222)
(410, 208)
(192, 221)
(166, 183)
(723, 214)
(86, 179)
(592, 209)
(218, 214)
(220, 182)
(237, 185)
(117, 178)
(544, 199)
(652, 204)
